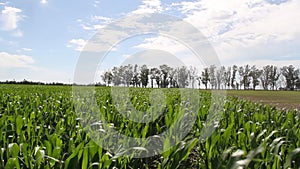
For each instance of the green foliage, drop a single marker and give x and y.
(39, 129)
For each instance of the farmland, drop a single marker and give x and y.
(280, 99)
(40, 129)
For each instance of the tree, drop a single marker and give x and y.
(298, 84)
(265, 77)
(205, 77)
(233, 78)
(116, 76)
(220, 76)
(183, 74)
(270, 77)
(173, 82)
(212, 76)
(144, 75)
(107, 77)
(255, 73)
(227, 77)
(192, 75)
(274, 76)
(157, 78)
(291, 76)
(136, 77)
(128, 74)
(153, 75)
(244, 76)
(165, 69)
(281, 82)
(198, 78)
(122, 74)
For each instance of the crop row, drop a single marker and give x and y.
(42, 127)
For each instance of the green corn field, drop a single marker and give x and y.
(40, 128)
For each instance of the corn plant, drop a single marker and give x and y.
(40, 128)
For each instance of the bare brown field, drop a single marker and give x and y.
(280, 99)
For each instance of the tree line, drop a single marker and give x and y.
(26, 82)
(269, 77)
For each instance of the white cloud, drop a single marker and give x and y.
(44, 1)
(37, 75)
(96, 3)
(94, 45)
(162, 43)
(3, 3)
(95, 22)
(8, 60)
(19, 67)
(92, 27)
(173, 47)
(246, 29)
(149, 6)
(96, 18)
(27, 49)
(241, 30)
(186, 6)
(264, 62)
(10, 17)
(153, 58)
(77, 44)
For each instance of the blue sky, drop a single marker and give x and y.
(41, 40)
